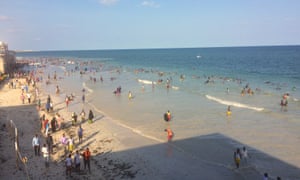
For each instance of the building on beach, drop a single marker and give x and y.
(7, 59)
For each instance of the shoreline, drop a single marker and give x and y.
(120, 152)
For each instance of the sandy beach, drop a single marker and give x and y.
(117, 152)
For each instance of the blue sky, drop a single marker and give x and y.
(131, 24)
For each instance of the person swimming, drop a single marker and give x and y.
(167, 116)
(130, 96)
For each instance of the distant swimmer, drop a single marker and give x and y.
(130, 96)
(228, 113)
(170, 134)
(167, 116)
(182, 77)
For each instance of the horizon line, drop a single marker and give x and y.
(112, 49)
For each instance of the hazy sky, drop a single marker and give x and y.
(128, 24)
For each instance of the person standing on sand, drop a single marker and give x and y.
(82, 114)
(67, 102)
(77, 161)
(83, 98)
(36, 145)
(237, 158)
(71, 144)
(64, 141)
(45, 155)
(49, 141)
(244, 154)
(68, 165)
(80, 134)
(53, 124)
(57, 90)
(86, 159)
(266, 176)
(91, 116)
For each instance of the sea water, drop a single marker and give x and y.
(204, 82)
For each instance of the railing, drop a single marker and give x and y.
(13, 131)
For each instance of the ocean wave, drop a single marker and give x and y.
(87, 88)
(175, 87)
(146, 81)
(231, 103)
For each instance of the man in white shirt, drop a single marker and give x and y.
(36, 145)
(45, 155)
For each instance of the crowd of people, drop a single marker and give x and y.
(51, 121)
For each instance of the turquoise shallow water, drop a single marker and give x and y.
(198, 108)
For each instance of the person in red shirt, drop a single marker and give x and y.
(86, 159)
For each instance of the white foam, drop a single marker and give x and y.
(175, 87)
(146, 81)
(85, 87)
(231, 103)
